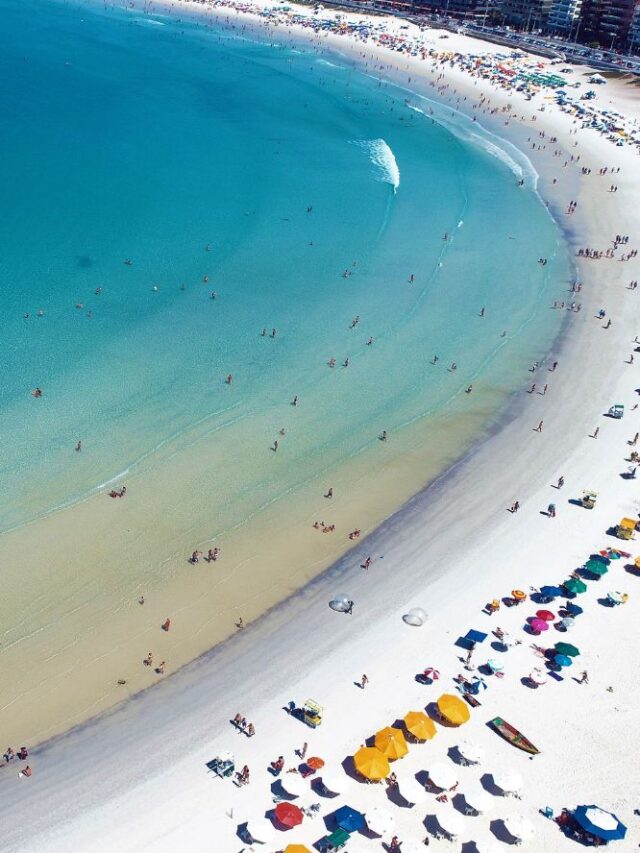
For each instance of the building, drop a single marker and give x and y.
(564, 18)
(607, 22)
(526, 14)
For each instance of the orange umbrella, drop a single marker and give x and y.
(453, 709)
(391, 742)
(315, 763)
(371, 763)
(518, 594)
(419, 725)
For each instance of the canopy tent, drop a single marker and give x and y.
(349, 819)
(478, 800)
(471, 752)
(288, 814)
(419, 725)
(567, 649)
(509, 781)
(600, 823)
(519, 827)
(391, 742)
(371, 763)
(261, 829)
(379, 820)
(453, 709)
(443, 776)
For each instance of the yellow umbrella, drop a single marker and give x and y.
(371, 763)
(391, 741)
(296, 848)
(453, 709)
(420, 726)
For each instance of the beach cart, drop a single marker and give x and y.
(626, 529)
(589, 499)
(223, 765)
(616, 411)
(312, 713)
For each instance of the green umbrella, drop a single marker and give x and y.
(574, 585)
(567, 649)
(596, 567)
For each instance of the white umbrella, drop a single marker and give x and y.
(479, 800)
(602, 819)
(340, 602)
(507, 780)
(379, 820)
(443, 776)
(568, 623)
(450, 821)
(472, 752)
(538, 676)
(519, 827)
(485, 847)
(412, 790)
(616, 597)
(332, 782)
(294, 784)
(261, 829)
(495, 665)
(416, 617)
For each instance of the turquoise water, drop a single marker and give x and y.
(129, 137)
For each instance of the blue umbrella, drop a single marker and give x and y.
(562, 660)
(573, 609)
(550, 591)
(349, 819)
(598, 822)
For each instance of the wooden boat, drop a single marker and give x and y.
(513, 736)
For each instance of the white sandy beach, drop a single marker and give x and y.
(136, 779)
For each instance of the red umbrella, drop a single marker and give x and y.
(288, 814)
(545, 615)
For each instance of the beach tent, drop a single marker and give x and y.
(391, 742)
(416, 617)
(509, 781)
(288, 814)
(261, 830)
(478, 800)
(379, 820)
(371, 763)
(443, 776)
(567, 649)
(600, 823)
(453, 709)
(473, 753)
(519, 827)
(419, 725)
(349, 819)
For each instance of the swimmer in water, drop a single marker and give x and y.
(454, 366)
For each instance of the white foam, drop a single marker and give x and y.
(384, 161)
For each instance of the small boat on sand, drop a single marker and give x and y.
(513, 736)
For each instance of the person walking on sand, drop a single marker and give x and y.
(303, 752)
(594, 434)
(560, 482)
(367, 563)
(584, 678)
(166, 624)
(635, 439)
(363, 682)
(551, 510)
(539, 427)
(349, 609)
(329, 493)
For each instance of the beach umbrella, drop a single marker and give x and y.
(379, 820)
(340, 602)
(616, 597)
(600, 823)
(419, 725)
(574, 609)
(509, 781)
(443, 776)
(539, 625)
(567, 649)
(538, 676)
(261, 829)
(288, 814)
(371, 763)
(478, 800)
(315, 763)
(550, 591)
(575, 586)
(296, 848)
(596, 567)
(294, 784)
(518, 594)
(484, 847)
(450, 821)
(519, 827)
(495, 665)
(416, 617)
(412, 790)
(545, 615)
(568, 623)
(349, 819)
(562, 660)
(453, 709)
(508, 640)
(433, 674)
(332, 782)
(472, 752)
(391, 742)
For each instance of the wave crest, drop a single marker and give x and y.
(384, 161)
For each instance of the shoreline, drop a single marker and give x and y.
(458, 529)
(211, 622)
